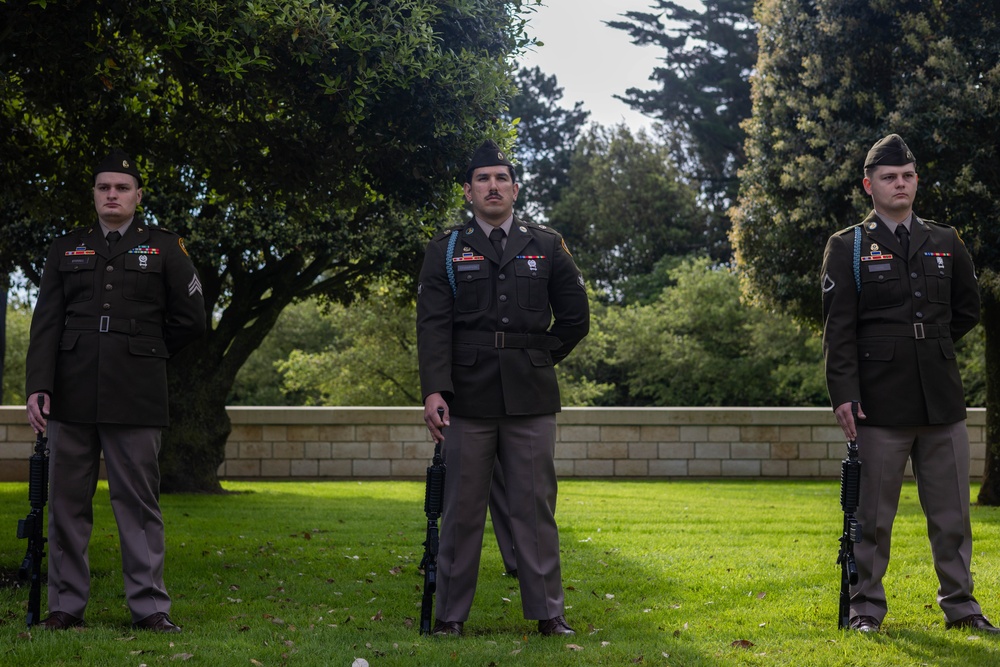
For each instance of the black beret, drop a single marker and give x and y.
(119, 162)
(487, 155)
(890, 150)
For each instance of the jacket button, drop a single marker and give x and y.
(505, 320)
(919, 314)
(502, 276)
(913, 275)
(109, 268)
(109, 287)
(867, 354)
(106, 306)
(154, 350)
(503, 297)
(918, 294)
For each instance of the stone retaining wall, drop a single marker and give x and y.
(392, 443)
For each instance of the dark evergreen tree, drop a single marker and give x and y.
(703, 93)
(546, 136)
(833, 77)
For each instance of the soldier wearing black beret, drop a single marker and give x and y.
(500, 302)
(117, 298)
(898, 291)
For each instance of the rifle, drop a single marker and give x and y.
(31, 527)
(433, 502)
(850, 492)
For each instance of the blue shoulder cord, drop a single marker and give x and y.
(857, 259)
(450, 269)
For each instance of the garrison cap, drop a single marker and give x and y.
(890, 150)
(118, 162)
(488, 155)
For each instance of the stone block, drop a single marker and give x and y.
(750, 450)
(668, 468)
(660, 434)
(676, 450)
(741, 468)
(607, 450)
(631, 468)
(711, 450)
(704, 468)
(592, 468)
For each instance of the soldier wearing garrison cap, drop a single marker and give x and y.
(500, 302)
(898, 292)
(117, 298)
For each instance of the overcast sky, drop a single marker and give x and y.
(591, 61)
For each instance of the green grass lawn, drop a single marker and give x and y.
(656, 573)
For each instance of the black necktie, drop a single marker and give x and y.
(904, 240)
(113, 237)
(496, 238)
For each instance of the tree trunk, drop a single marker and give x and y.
(989, 492)
(194, 446)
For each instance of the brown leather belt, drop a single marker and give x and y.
(503, 339)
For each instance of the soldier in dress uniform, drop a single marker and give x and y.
(117, 298)
(500, 301)
(898, 291)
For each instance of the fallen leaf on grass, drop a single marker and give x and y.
(742, 643)
(377, 616)
(637, 660)
(395, 570)
(256, 663)
(574, 647)
(359, 662)
(591, 629)
(760, 596)
(182, 656)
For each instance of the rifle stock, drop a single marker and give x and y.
(433, 504)
(32, 527)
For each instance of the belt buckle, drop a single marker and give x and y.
(498, 339)
(918, 330)
(105, 323)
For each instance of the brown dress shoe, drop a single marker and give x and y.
(60, 620)
(865, 624)
(555, 626)
(158, 622)
(973, 622)
(447, 628)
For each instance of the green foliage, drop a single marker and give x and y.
(693, 573)
(825, 89)
(301, 327)
(627, 205)
(703, 94)
(300, 147)
(546, 136)
(18, 323)
(698, 344)
(370, 359)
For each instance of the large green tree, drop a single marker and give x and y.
(832, 77)
(546, 136)
(626, 206)
(702, 93)
(300, 147)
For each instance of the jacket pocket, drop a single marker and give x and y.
(68, 340)
(464, 355)
(142, 277)
(472, 288)
(78, 277)
(539, 357)
(882, 350)
(144, 346)
(881, 286)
